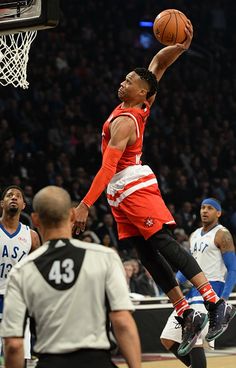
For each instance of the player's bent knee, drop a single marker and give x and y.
(167, 343)
(175, 255)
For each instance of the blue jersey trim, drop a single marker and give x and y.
(205, 232)
(13, 234)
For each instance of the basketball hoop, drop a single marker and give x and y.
(14, 56)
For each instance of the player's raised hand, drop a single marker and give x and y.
(189, 36)
(81, 215)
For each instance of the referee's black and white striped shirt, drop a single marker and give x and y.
(64, 286)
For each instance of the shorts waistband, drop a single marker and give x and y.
(136, 171)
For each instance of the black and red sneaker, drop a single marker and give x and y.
(220, 314)
(192, 322)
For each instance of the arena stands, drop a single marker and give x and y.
(50, 133)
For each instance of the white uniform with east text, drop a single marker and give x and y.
(209, 258)
(13, 248)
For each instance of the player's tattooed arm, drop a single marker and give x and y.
(35, 240)
(224, 241)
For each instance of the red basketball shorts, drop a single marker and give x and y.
(142, 213)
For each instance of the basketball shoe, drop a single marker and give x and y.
(192, 322)
(220, 314)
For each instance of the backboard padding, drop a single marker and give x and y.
(22, 15)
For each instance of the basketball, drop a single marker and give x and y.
(168, 27)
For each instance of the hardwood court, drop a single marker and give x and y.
(213, 361)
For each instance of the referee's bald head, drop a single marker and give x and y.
(52, 205)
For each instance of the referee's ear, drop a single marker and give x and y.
(35, 219)
(72, 216)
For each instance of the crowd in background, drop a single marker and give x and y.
(51, 133)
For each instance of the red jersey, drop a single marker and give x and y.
(133, 192)
(132, 154)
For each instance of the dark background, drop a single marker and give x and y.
(50, 133)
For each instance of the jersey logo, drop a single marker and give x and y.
(22, 239)
(60, 243)
(149, 222)
(177, 325)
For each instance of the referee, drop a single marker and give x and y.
(68, 288)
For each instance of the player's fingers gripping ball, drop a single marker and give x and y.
(169, 27)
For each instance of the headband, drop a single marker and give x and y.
(212, 202)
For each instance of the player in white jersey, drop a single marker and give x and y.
(213, 248)
(16, 241)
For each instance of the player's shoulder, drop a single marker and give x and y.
(220, 228)
(221, 231)
(24, 226)
(34, 235)
(224, 240)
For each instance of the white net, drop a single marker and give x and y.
(14, 56)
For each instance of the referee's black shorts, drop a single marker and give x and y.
(83, 358)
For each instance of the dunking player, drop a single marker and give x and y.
(213, 248)
(16, 241)
(135, 199)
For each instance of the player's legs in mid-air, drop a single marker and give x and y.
(143, 216)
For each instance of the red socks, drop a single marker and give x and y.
(180, 306)
(208, 293)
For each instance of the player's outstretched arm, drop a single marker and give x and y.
(121, 130)
(168, 55)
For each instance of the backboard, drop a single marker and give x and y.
(24, 15)
(19, 22)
